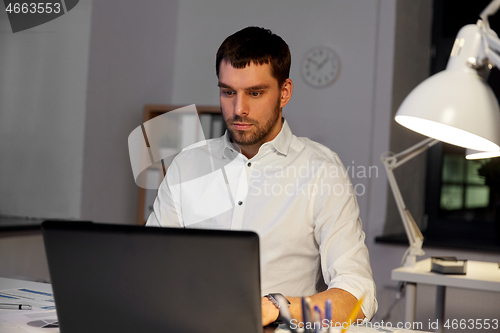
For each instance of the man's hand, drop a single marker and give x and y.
(342, 300)
(269, 312)
(343, 303)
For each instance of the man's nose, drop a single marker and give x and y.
(241, 105)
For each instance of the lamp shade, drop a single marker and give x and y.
(456, 106)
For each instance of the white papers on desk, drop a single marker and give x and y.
(26, 321)
(5, 326)
(42, 317)
(38, 300)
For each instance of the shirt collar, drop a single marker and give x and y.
(228, 148)
(281, 142)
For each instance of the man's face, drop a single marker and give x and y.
(251, 103)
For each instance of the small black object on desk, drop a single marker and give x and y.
(448, 265)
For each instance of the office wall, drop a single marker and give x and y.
(130, 64)
(43, 90)
(411, 55)
(411, 66)
(22, 256)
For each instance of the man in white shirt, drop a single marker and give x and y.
(295, 193)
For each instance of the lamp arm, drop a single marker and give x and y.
(491, 48)
(409, 153)
(490, 42)
(392, 161)
(491, 9)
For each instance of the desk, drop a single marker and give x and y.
(6, 284)
(6, 324)
(480, 276)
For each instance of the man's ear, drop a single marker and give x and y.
(286, 92)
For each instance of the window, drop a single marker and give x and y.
(462, 187)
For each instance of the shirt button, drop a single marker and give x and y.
(249, 164)
(240, 203)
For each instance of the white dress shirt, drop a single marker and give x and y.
(294, 193)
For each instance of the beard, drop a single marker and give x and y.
(260, 129)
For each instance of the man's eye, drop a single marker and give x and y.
(255, 94)
(228, 93)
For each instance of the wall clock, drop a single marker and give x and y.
(320, 66)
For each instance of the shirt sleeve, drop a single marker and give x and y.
(345, 261)
(166, 207)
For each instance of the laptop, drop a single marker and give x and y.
(124, 278)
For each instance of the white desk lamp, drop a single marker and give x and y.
(455, 106)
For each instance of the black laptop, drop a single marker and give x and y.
(122, 278)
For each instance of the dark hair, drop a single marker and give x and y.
(257, 45)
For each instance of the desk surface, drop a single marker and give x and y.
(6, 284)
(480, 276)
(21, 321)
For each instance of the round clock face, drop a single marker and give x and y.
(320, 67)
